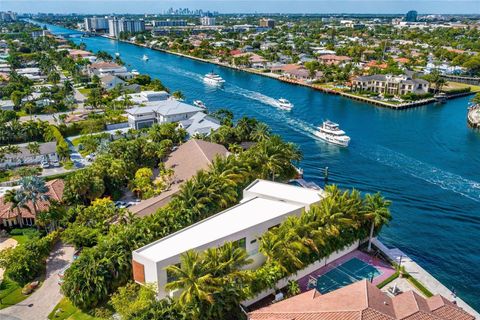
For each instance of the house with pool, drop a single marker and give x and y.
(265, 205)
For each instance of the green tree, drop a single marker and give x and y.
(32, 190)
(377, 212)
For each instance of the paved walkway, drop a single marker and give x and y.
(42, 301)
(432, 284)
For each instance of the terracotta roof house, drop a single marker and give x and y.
(24, 216)
(361, 301)
(191, 157)
(333, 59)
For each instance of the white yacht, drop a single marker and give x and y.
(284, 104)
(330, 132)
(145, 57)
(213, 79)
(200, 104)
(135, 72)
(117, 54)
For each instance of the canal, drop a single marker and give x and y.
(425, 160)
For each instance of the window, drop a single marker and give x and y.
(171, 277)
(241, 243)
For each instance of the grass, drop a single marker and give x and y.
(10, 293)
(84, 91)
(457, 85)
(418, 285)
(68, 312)
(388, 280)
(21, 239)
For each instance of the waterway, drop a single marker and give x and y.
(426, 160)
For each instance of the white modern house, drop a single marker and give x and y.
(145, 96)
(265, 205)
(163, 111)
(200, 124)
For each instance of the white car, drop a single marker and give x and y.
(45, 165)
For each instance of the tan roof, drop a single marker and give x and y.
(186, 161)
(361, 301)
(100, 65)
(193, 156)
(55, 192)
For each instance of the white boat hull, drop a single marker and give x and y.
(213, 82)
(332, 140)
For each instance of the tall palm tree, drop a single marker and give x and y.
(193, 278)
(32, 190)
(377, 212)
(12, 197)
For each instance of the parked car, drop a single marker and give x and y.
(45, 165)
(120, 204)
(56, 164)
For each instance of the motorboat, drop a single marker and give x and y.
(145, 57)
(213, 79)
(135, 72)
(284, 104)
(440, 97)
(117, 54)
(330, 132)
(200, 104)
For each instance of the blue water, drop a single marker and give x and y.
(425, 160)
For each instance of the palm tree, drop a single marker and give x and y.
(376, 210)
(12, 197)
(260, 132)
(178, 95)
(32, 189)
(193, 278)
(33, 148)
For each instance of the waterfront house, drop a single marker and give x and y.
(361, 301)
(163, 111)
(200, 124)
(145, 96)
(389, 84)
(47, 152)
(106, 68)
(26, 216)
(186, 161)
(265, 204)
(109, 82)
(297, 72)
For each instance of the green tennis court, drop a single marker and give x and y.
(348, 272)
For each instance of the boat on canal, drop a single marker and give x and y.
(284, 104)
(200, 104)
(213, 79)
(330, 132)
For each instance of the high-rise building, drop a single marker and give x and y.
(117, 26)
(267, 23)
(411, 16)
(169, 23)
(96, 24)
(207, 21)
(8, 16)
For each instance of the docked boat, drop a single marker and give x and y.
(145, 57)
(135, 72)
(213, 79)
(440, 97)
(200, 104)
(117, 54)
(284, 104)
(331, 132)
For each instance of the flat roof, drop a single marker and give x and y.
(240, 217)
(285, 191)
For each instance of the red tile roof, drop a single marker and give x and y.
(361, 301)
(55, 192)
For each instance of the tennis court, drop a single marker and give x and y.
(348, 272)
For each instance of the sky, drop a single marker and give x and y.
(243, 6)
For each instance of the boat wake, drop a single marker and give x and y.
(253, 95)
(424, 171)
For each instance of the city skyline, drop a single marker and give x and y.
(233, 6)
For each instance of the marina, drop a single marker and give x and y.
(393, 150)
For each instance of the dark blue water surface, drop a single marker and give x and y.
(425, 159)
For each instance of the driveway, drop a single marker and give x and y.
(42, 301)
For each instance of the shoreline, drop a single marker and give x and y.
(473, 117)
(401, 106)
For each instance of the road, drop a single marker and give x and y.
(42, 301)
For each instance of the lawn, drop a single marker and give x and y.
(85, 91)
(457, 85)
(68, 312)
(21, 238)
(10, 293)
